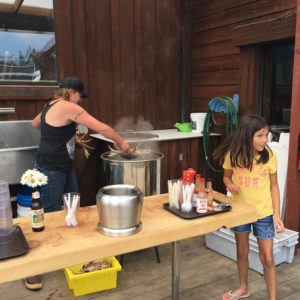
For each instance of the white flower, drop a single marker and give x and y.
(33, 178)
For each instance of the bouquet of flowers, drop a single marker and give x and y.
(34, 178)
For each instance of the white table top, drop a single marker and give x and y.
(161, 135)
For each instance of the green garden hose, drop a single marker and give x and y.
(217, 105)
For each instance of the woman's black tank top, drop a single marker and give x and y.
(52, 153)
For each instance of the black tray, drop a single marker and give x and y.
(193, 214)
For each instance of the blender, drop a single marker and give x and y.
(12, 239)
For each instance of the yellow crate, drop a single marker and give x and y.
(91, 282)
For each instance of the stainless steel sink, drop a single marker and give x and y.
(18, 145)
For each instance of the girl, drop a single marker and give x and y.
(250, 173)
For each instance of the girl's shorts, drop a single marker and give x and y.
(262, 228)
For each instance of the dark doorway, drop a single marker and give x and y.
(276, 85)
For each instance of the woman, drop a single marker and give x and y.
(57, 122)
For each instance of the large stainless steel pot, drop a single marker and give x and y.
(120, 208)
(143, 171)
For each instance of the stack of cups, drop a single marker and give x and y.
(6, 220)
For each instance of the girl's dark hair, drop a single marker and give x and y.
(239, 143)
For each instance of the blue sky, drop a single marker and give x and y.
(13, 42)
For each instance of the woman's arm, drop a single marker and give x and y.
(279, 226)
(36, 122)
(80, 116)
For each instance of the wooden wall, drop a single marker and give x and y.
(223, 38)
(293, 180)
(225, 59)
(128, 54)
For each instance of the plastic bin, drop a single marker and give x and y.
(91, 282)
(223, 242)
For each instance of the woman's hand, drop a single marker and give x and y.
(279, 226)
(125, 147)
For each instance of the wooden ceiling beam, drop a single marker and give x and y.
(26, 10)
(17, 5)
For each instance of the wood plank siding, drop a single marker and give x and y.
(219, 67)
(293, 179)
(225, 59)
(128, 54)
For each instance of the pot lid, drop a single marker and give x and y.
(134, 135)
(117, 157)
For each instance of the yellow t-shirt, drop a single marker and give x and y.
(255, 185)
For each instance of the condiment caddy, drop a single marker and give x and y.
(189, 198)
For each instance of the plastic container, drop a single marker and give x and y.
(198, 121)
(71, 203)
(24, 200)
(23, 211)
(6, 220)
(91, 282)
(3, 186)
(4, 193)
(223, 242)
(183, 127)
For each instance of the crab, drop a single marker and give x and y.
(80, 139)
(94, 266)
(134, 151)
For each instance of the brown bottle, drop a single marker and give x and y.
(202, 198)
(37, 212)
(210, 192)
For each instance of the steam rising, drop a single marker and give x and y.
(140, 124)
(128, 123)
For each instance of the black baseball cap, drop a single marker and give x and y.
(75, 84)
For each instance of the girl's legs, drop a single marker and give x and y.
(267, 259)
(242, 251)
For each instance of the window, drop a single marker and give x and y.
(27, 42)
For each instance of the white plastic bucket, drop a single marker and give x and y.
(198, 121)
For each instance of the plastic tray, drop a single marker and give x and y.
(92, 282)
(193, 214)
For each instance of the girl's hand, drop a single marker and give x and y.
(279, 226)
(232, 188)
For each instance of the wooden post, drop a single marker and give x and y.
(292, 216)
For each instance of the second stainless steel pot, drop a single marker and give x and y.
(120, 208)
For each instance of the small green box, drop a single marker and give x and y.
(95, 281)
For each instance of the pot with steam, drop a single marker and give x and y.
(142, 170)
(120, 208)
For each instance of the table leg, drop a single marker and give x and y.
(175, 270)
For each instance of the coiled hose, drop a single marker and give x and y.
(217, 105)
